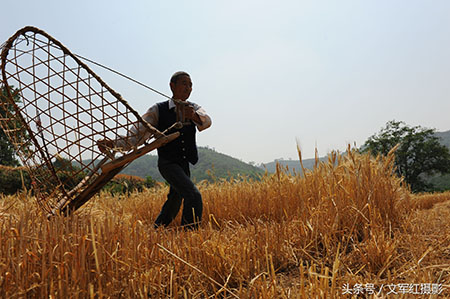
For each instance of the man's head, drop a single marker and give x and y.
(181, 85)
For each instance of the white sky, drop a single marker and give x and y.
(326, 73)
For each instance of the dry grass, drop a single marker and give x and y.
(348, 221)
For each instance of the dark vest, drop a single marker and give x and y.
(183, 148)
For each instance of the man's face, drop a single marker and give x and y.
(182, 88)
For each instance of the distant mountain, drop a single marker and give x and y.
(211, 165)
(442, 182)
(309, 163)
(292, 165)
(217, 165)
(221, 166)
(445, 138)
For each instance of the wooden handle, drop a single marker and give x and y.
(140, 152)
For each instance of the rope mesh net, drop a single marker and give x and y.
(56, 109)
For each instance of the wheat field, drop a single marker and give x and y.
(348, 228)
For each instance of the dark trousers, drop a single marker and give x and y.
(177, 174)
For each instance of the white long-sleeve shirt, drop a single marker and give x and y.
(139, 134)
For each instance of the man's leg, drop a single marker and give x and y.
(170, 208)
(178, 176)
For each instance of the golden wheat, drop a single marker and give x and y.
(348, 221)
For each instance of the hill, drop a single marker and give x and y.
(309, 163)
(211, 165)
(292, 165)
(440, 182)
(445, 138)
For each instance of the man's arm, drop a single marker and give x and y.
(137, 135)
(198, 115)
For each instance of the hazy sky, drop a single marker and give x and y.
(325, 73)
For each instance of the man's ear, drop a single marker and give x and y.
(172, 86)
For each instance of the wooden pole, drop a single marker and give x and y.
(140, 152)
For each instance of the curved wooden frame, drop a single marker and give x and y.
(57, 109)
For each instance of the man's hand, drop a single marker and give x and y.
(189, 113)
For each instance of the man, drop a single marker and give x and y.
(174, 157)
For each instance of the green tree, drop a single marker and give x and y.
(11, 180)
(69, 174)
(7, 153)
(419, 153)
(125, 184)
